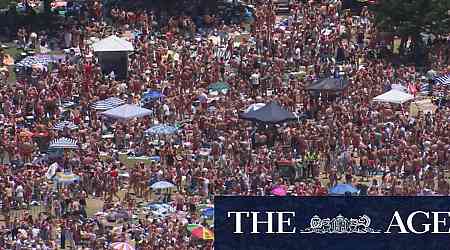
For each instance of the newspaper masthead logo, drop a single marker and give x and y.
(277, 222)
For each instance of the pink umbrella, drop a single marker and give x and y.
(59, 4)
(279, 191)
(122, 246)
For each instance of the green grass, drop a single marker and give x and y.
(14, 52)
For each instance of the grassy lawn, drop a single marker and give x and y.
(14, 52)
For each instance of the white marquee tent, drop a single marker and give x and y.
(394, 96)
(112, 44)
(112, 53)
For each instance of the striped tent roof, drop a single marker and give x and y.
(443, 80)
(64, 143)
(108, 103)
(424, 88)
(65, 124)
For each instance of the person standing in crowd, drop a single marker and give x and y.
(63, 236)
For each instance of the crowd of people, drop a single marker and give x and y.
(341, 138)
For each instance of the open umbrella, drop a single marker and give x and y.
(66, 178)
(65, 124)
(279, 191)
(162, 185)
(37, 60)
(254, 107)
(122, 246)
(108, 103)
(66, 143)
(208, 212)
(59, 4)
(203, 233)
(341, 189)
(151, 95)
(161, 129)
(443, 80)
(219, 87)
(191, 227)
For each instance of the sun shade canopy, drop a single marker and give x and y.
(394, 96)
(127, 112)
(111, 44)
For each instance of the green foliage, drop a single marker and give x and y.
(4, 4)
(410, 17)
(47, 6)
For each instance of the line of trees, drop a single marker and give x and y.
(409, 18)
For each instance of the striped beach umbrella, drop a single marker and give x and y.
(65, 124)
(66, 178)
(64, 143)
(424, 88)
(108, 103)
(443, 80)
(203, 233)
(122, 246)
(29, 61)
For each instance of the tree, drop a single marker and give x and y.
(408, 18)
